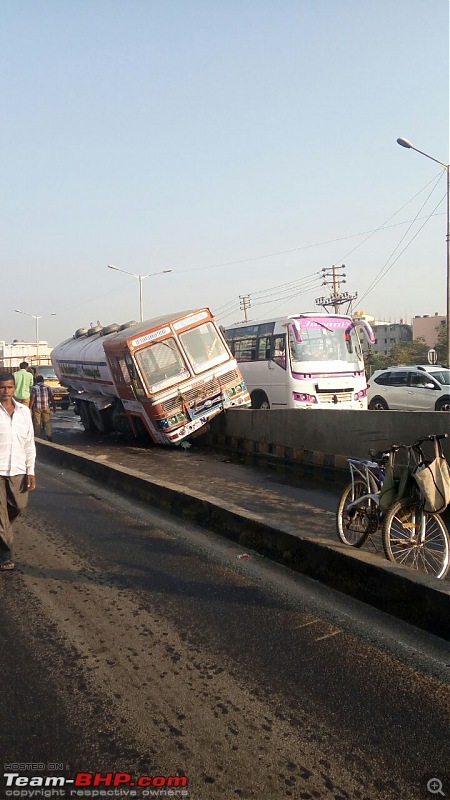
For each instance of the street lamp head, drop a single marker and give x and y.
(141, 279)
(125, 271)
(404, 142)
(35, 316)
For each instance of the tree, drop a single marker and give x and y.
(415, 352)
(441, 344)
(378, 362)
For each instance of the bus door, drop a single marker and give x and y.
(277, 372)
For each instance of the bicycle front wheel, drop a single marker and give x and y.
(354, 524)
(415, 539)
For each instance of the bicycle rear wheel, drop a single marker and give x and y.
(404, 543)
(354, 525)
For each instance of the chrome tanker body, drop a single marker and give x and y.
(166, 377)
(80, 362)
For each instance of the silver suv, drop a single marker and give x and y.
(410, 388)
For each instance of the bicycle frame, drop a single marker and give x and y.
(366, 470)
(418, 521)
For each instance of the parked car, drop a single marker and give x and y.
(60, 393)
(410, 388)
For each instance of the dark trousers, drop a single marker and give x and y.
(13, 500)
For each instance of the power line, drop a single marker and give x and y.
(307, 287)
(368, 233)
(225, 305)
(306, 283)
(383, 270)
(288, 284)
(384, 225)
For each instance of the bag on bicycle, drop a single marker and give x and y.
(433, 480)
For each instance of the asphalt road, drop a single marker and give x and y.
(132, 642)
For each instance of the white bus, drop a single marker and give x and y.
(311, 360)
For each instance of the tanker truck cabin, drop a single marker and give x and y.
(164, 377)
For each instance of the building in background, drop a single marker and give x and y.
(12, 354)
(427, 327)
(387, 334)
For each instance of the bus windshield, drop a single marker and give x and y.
(313, 342)
(204, 347)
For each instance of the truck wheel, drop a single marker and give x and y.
(85, 414)
(101, 419)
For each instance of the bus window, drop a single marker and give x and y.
(264, 348)
(245, 349)
(279, 350)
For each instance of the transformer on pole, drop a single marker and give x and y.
(333, 277)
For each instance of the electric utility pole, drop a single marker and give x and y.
(244, 304)
(332, 276)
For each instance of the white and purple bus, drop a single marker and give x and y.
(311, 360)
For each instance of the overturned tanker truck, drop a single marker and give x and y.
(165, 377)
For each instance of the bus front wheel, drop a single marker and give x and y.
(260, 400)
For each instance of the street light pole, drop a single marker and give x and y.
(406, 143)
(140, 278)
(37, 339)
(36, 318)
(141, 302)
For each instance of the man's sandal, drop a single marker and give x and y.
(6, 566)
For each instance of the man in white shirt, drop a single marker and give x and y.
(17, 458)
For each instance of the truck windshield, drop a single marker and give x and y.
(204, 347)
(161, 365)
(48, 373)
(332, 346)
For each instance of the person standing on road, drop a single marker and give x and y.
(17, 459)
(23, 380)
(41, 401)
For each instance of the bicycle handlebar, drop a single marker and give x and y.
(382, 455)
(433, 437)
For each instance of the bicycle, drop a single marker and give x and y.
(411, 536)
(359, 513)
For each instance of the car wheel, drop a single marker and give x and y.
(378, 404)
(443, 404)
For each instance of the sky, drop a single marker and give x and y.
(244, 144)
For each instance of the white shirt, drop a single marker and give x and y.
(17, 447)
